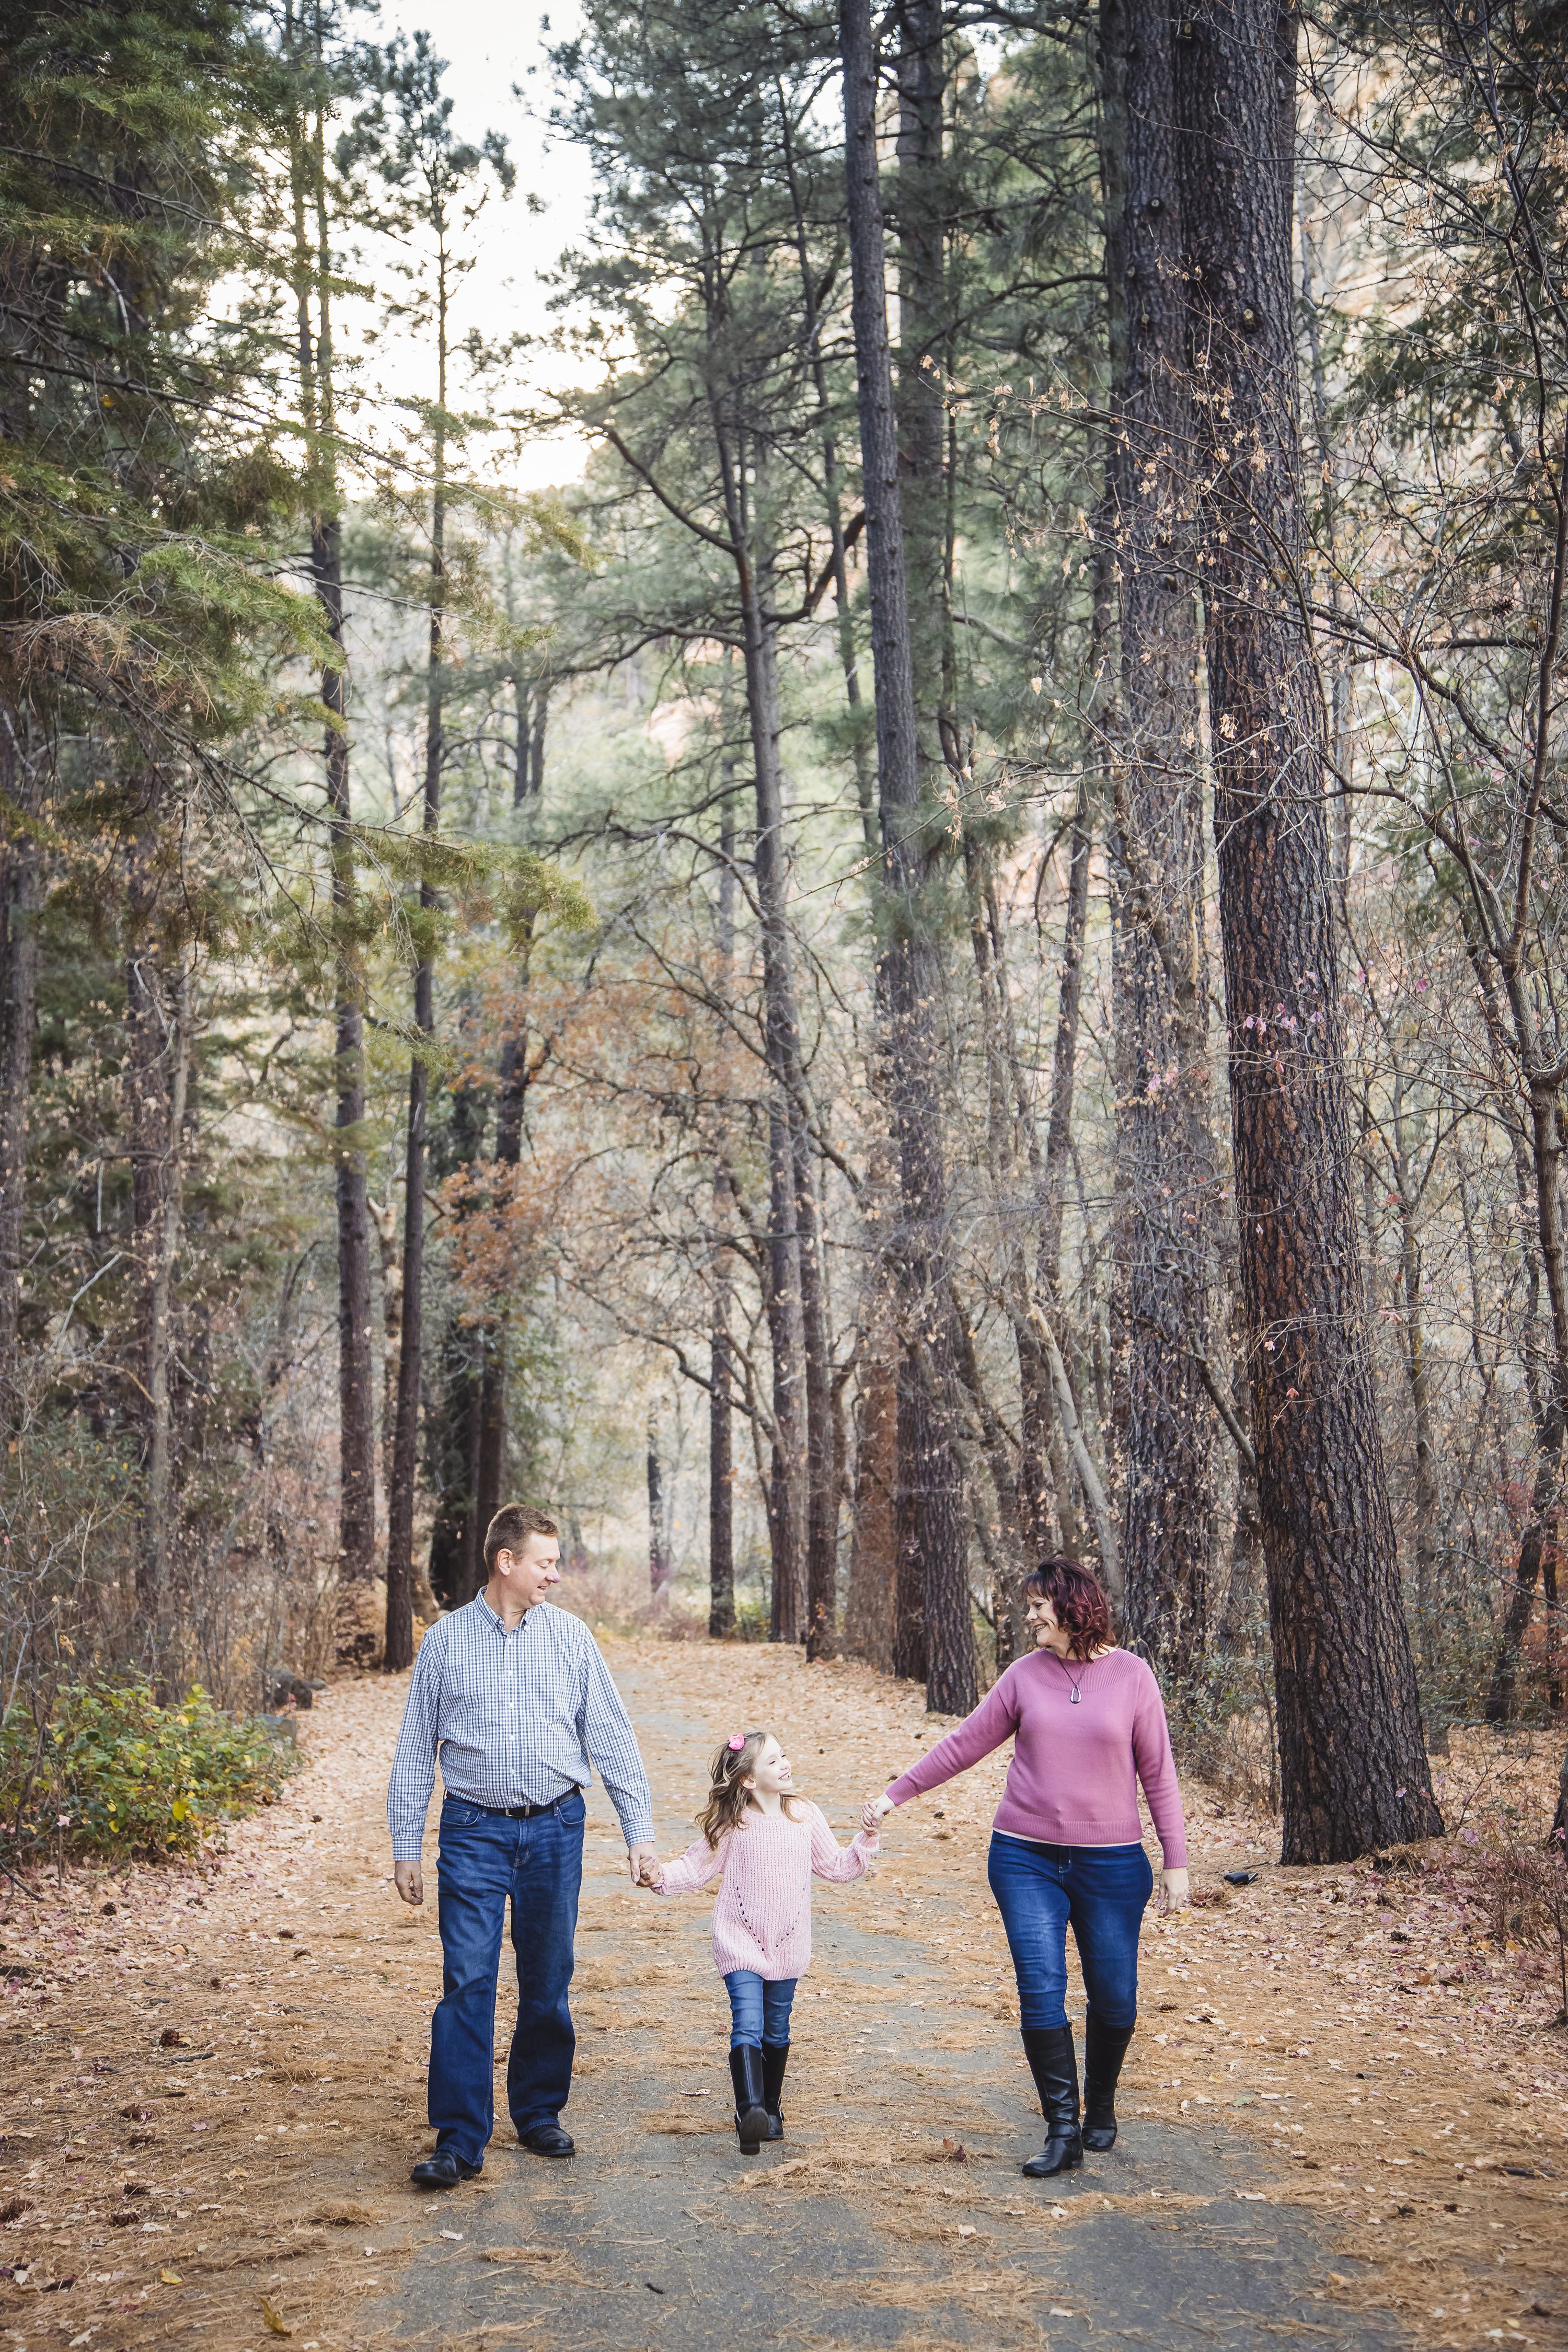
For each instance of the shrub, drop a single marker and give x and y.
(113, 1773)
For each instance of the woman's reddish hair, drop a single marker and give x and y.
(1077, 1595)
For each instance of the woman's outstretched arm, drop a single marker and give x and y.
(994, 1720)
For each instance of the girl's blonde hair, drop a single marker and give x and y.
(729, 1796)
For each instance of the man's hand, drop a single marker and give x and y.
(1175, 1894)
(643, 1863)
(873, 1810)
(410, 1881)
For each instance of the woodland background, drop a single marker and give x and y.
(949, 952)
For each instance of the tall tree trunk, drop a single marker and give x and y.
(720, 1432)
(1043, 1442)
(1164, 1152)
(1354, 1769)
(720, 1358)
(932, 1547)
(1541, 1363)
(18, 1016)
(803, 1476)
(399, 1647)
(318, 402)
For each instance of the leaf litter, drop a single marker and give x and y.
(1363, 2027)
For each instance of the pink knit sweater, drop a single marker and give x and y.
(1074, 1776)
(762, 1919)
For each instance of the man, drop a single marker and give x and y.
(517, 1701)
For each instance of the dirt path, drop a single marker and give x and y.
(176, 2193)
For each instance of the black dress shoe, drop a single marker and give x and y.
(442, 2170)
(547, 2139)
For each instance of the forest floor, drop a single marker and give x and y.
(1345, 2118)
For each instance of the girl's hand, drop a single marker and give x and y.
(650, 1872)
(873, 1810)
(1175, 1894)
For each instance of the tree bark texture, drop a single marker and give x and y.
(932, 1545)
(1165, 1179)
(1354, 1769)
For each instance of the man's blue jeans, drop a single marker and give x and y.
(1102, 1890)
(484, 1859)
(759, 2007)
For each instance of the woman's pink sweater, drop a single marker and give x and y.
(762, 1919)
(1075, 1769)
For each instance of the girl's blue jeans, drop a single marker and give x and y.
(1102, 1891)
(759, 2009)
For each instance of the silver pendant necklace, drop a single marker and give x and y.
(1077, 1698)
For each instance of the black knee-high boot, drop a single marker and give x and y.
(1104, 2048)
(750, 2116)
(1055, 2070)
(776, 2058)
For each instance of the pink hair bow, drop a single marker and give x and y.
(735, 1742)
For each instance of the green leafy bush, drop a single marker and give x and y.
(113, 1772)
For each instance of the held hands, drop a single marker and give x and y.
(1175, 1892)
(645, 1868)
(871, 1812)
(409, 1880)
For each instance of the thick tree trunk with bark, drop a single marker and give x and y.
(933, 1546)
(1164, 1156)
(1354, 1769)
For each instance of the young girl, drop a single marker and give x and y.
(762, 1844)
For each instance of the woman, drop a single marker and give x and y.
(1065, 1843)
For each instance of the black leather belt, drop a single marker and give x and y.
(521, 1812)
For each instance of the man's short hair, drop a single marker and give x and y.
(512, 1524)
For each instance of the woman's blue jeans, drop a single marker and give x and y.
(759, 2008)
(1102, 1890)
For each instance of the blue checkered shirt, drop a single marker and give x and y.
(516, 1719)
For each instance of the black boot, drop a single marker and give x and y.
(1055, 2070)
(776, 2058)
(1104, 2047)
(750, 2116)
